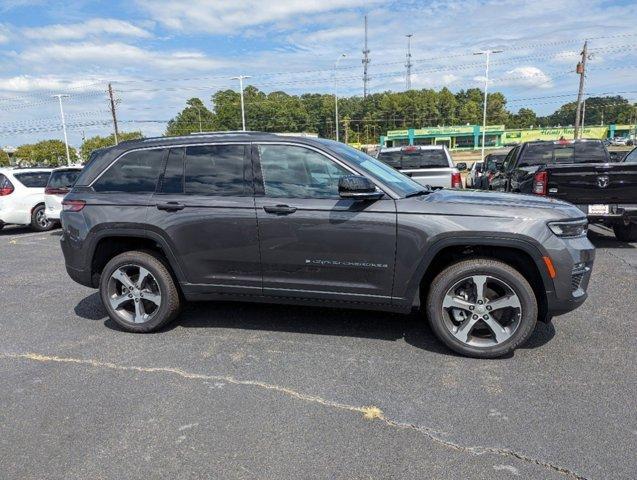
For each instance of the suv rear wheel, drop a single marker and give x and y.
(139, 292)
(626, 233)
(482, 308)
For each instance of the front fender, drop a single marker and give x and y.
(405, 296)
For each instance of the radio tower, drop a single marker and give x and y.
(365, 62)
(408, 64)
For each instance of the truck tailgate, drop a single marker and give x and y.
(434, 177)
(600, 183)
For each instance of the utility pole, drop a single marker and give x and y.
(241, 78)
(342, 55)
(581, 70)
(488, 53)
(110, 96)
(365, 62)
(59, 96)
(408, 64)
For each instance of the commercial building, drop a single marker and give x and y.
(469, 137)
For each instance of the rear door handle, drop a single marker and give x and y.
(170, 206)
(279, 209)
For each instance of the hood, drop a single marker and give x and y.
(490, 204)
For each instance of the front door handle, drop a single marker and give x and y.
(279, 209)
(170, 206)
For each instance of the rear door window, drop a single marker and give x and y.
(425, 159)
(173, 179)
(135, 172)
(215, 170)
(390, 158)
(410, 158)
(33, 179)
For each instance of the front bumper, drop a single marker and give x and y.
(573, 259)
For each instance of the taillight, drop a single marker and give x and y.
(56, 191)
(456, 180)
(540, 183)
(73, 205)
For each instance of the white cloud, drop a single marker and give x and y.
(92, 27)
(26, 83)
(122, 55)
(524, 76)
(214, 16)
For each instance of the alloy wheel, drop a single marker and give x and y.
(481, 311)
(134, 294)
(40, 219)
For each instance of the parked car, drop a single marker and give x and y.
(426, 164)
(616, 156)
(493, 162)
(267, 218)
(22, 197)
(580, 172)
(474, 176)
(630, 157)
(59, 184)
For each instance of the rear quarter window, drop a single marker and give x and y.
(135, 172)
(33, 179)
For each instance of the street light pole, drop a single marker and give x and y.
(488, 53)
(342, 55)
(243, 113)
(59, 96)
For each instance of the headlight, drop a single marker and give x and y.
(578, 228)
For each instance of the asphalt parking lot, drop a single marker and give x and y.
(261, 391)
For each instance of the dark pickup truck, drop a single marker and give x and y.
(580, 172)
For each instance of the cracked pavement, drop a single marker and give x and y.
(263, 391)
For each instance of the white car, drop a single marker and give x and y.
(59, 184)
(426, 164)
(22, 197)
(474, 177)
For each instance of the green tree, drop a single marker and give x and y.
(525, 118)
(4, 159)
(195, 117)
(97, 141)
(50, 153)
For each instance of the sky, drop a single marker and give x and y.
(159, 53)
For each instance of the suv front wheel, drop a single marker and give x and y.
(139, 292)
(482, 308)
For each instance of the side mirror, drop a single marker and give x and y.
(462, 166)
(357, 187)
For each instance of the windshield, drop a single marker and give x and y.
(415, 158)
(631, 157)
(399, 183)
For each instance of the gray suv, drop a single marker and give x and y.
(267, 218)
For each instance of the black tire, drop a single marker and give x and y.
(500, 271)
(39, 223)
(170, 303)
(626, 233)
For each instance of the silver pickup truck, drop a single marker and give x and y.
(426, 164)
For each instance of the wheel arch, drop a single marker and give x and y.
(110, 241)
(521, 254)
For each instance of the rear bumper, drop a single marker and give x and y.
(617, 213)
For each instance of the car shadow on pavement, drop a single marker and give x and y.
(10, 231)
(412, 328)
(603, 237)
